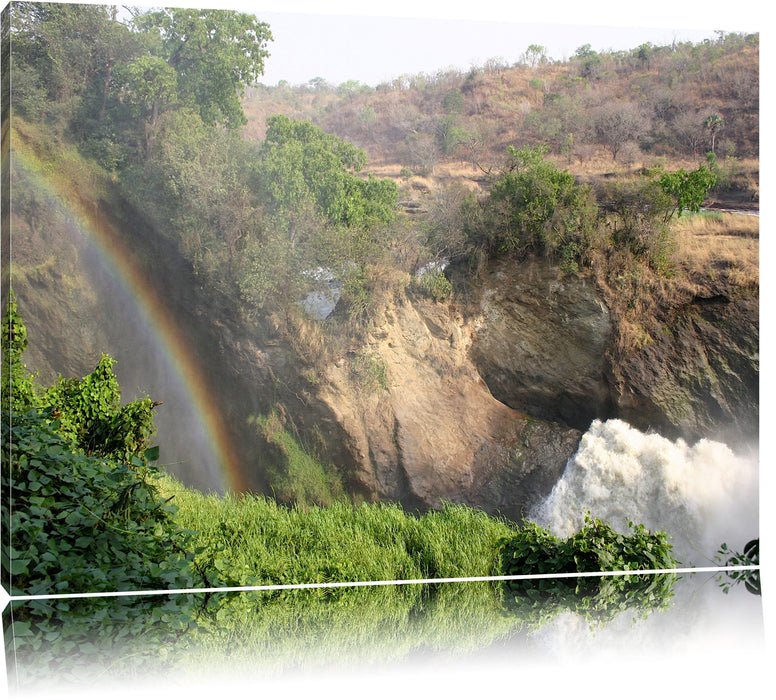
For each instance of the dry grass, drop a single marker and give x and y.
(714, 254)
(719, 246)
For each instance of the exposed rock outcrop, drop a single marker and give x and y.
(546, 344)
(435, 432)
(541, 340)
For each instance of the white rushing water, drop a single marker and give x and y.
(701, 495)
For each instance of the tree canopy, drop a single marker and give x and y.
(214, 53)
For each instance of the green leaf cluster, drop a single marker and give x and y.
(18, 385)
(213, 53)
(433, 284)
(299, 163)
(81, 524)
(597, 547)
(749, 557)
(688, 190)
(317, 212)
(86, 412)
(535, 206)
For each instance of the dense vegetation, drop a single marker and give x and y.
(256, 200)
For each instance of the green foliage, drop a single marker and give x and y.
(87, 411)
(82, 513)
(90, 414)
(80, 523)
(534, 206)
(596, 547)
(434, 284)
(300, 164)
(214, 54)
(17, 384)
(638, 215)
(750, 558)
(149, 86)
(688, 190)
(317, 213)
(294, 475)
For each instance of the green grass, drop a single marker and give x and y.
(293, 473)
(255, 541)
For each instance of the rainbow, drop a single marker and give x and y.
(168, 340)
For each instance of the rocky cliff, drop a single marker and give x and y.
(479, 401)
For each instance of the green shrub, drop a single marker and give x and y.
(88, 411)
(536, 207)
(433, 284)
(81, 524)
(595, 548)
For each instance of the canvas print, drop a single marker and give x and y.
(308, 329)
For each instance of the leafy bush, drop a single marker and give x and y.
(82, 524)
(596, 547)
(434, 284)
(18, 385)
(534, 206)
(88, 411)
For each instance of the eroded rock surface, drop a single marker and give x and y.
(541, 340)
(435, 433)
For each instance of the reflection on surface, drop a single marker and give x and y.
(92, 644)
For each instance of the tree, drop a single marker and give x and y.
(317, 210)
(688, 190)
(618, 123)
(640, 211)
(535, 54)
(149, 86)
(713, 123)
(215, 54)
(61, 42)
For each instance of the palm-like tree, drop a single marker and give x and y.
(713, 123)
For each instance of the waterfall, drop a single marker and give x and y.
(700, 495)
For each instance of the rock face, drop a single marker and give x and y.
(699, 376)
(435, 432)
(545, 344)
(541, 340)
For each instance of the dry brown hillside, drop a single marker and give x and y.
(599, 114)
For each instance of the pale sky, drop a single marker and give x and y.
(341, 40)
